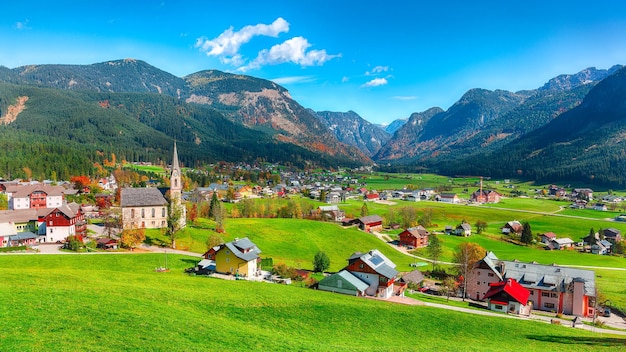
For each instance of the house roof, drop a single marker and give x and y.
(370, 219)
(244, 249)
(511, 287)
(27, 190)
(465, 226)
(418, 231)
(548, 277)
(563, 241)
(140, 197)
(549, 235)
(379, 263)
(23, 236)
(414, 276)
(346, 276)
(328, 208)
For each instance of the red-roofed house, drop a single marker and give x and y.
(371, 197)
(508, 296)
(548, 237)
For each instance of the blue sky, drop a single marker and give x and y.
(382, 59)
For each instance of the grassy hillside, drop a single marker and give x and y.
(117, 302)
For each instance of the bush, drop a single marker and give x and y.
(284, 271)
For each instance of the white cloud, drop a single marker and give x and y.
(345, 79)
(376, 82)
(293, 50)
(405, 97)
(228, 43)
(377, 70)
(293, 79)
(22, 25)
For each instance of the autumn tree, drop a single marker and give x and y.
(449, 286)
(408, 217)
(132, 237)
(173, 222)
(213, 240)
(80, 182)
(426, 219)
(466, 255)
(4, 202)
(192, 213)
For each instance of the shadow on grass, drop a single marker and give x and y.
(153, 241)
(193, 262)
(591, 341)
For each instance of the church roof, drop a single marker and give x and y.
(140, 197)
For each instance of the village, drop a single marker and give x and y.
(38, 214)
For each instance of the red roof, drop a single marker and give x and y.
(550, 234)
(372, 196)
(511, 288)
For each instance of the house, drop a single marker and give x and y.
(602, 247)
(107, 243)
(464, 230)
(552, 288)
(59, 223)
(485, 196)
(370, 223)
(23, 239)
(333, 197)
(512, 227)
(561, 243)
(508, 296)
(583, 193)
(34, 196)
(413, 278)
(371, 274)
(448, 198)
(143, 208)
(557, 191)
(600, 207)
(371, 197)
(343, 282)
(414, 237)
(239, 257)
(331, 212)
(612, 235)
(548, 237)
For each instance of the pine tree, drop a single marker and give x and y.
(364, 210)
(527, 234)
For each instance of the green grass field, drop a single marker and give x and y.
(117, 302)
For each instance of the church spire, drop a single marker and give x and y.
(176, 185)
(175, 165)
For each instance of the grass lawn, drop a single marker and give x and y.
(117, 302)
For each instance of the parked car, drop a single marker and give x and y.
(606, 312)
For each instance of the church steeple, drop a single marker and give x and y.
(176, 186)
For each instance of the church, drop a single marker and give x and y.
(148, 208)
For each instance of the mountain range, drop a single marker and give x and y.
(570, 128)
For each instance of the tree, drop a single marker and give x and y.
(132, 237)
(449, 285)
(591, 238)
(408, 217)
(321, 262)
(467, 254)
(214, 203)
(434, 248)
(620, 247)
(426, 218)
(4, 202)
(213, 240)
(80, 182)
(527, 234)
(481, 226)
(218, 215)
(173, 222)
(364, 210)
(193, 212)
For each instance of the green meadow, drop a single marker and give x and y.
(117, 302)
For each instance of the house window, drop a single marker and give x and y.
(132, 213)
(227, 260)
(545, 294)
(143, 213)
(532, 293)
(477, 282)
(499, 307)
(548, 305)
(361, 266)
(153, 212)
(553, 295)
(163, 212)
(490, 275)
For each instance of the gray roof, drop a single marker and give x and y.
(379, 263)
(370, 218)
(244, 249)
(25, 191)
(23, 236)
(353, 280)
(142, 197)
(414, 276)
(546, 277)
